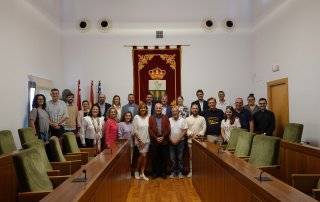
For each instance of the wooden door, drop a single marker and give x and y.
(279, 103)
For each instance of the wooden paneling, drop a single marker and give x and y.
(224, 177)
(8, 180)
(298, 159)
(108, 179)
(279, 103)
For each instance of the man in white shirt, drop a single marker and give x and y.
(196, 127)
(222, 103)
(177, 142)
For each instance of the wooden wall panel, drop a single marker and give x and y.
(8, 180)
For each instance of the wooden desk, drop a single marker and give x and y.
(8, 179)
(298, 158)
(224, 177)
(108, 179)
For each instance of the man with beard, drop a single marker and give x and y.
(71, 122)
(201, 103)
(104, 106)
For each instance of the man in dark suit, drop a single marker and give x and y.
(150, 104)
(202, 104)
(104, 106)
(166, 108)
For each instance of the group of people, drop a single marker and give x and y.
(159, 132)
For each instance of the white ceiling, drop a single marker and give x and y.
(245, 12)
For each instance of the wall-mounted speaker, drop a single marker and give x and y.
(229, 24)
(208, 24)
(104, 24)
(83, 25)
(159, 34)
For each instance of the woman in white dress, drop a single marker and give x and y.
(229, 122)
(142, 140)
(92, 127)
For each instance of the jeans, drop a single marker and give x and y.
(43, 136)
(176, 157)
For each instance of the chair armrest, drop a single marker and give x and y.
(305, 182)
(84, 157)
(64, 167)
(57, 180)
(316, 194)
(72, 157)
(31, 196)
(53, 172)
(91, 150)
(75, 165)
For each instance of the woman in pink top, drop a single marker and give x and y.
(111, 127)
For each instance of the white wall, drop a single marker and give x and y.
(30, 44)
(290, 38)
(214, 61)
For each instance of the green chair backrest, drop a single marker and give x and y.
(265, 150)
(293, 132)
(27, 135)
(31, 173)
(38, 145)
(244, 144)
(6, 142)
(70, 143)
(55, 149)
(232, 144)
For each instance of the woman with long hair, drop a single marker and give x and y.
(39, 117)
(251, 106)
(92, 127)
(117, 105)
(183, 110)
(111, 127)
(142, 139)
(229, 122)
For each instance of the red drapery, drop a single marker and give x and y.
(147, 60)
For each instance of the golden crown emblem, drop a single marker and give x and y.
(157, 73)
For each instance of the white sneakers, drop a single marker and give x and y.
(140, 177)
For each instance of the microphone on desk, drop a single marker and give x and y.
(85, 173)
(260, 176)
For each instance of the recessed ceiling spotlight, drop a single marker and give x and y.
(104, 24)
(83, 25)
(208, 24)
(229, 24)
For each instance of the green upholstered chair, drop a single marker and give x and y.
(264, 151)
(307, 183)
(57, 155)
(34, 183)
(232, 144)
(293, 132)
(244, 143)
(27, 135)
(63, 168)
(71, 147)
(6, 142)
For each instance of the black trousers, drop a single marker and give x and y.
(159, 158)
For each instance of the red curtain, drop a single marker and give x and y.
(168, 59)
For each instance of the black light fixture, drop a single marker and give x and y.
(229, 24)
(83, 25)
(104, 24)
(208, 24)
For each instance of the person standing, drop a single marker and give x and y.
(58, 114)
(141, 139)
(150, 104)
(92, 128)
(159, 130)
(183, 110)
(222, 103)
(202, 104)
(166, 108)
(104, 106)
(196, 128)
(130, 107)
(116, 103)
(229, 122)
(71, 122)
(177, 142)
(111, 127)
(251, 106)
(83, 113)
(213, 117)
(39, 118)
(244, 115)
(264, 120)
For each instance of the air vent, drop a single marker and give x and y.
(159, 34)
